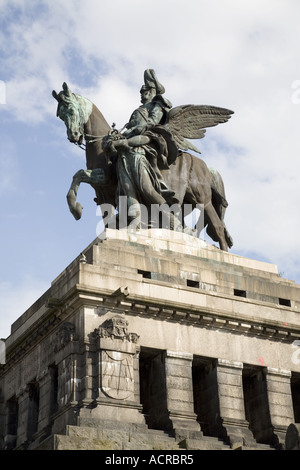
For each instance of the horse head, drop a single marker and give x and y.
(74, 111)
(81, 116)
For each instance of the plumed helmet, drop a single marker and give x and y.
(151, 81)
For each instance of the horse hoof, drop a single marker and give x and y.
(77, 212)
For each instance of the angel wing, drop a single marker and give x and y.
(189, 122)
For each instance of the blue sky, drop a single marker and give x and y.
(243, 55)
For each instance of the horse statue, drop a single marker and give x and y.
(188, 176)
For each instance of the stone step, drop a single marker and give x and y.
(118, 439)
(63, 442)
(107, 437)
(85, 439)
(205, 443)
(214, 443)
(265, 447)
(151, 439)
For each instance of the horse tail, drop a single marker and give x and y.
(219, 201)
(218, 193)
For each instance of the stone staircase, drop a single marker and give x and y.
(121, 436)
(97, 438)
(100, 438)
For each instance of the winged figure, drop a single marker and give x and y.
(190, 122)
(148, 161)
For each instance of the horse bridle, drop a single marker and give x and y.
(97, 138)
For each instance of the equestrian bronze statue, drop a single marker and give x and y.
(147, 162)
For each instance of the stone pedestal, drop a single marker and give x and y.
(156, 339)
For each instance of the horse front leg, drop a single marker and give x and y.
(74, 206)
(95, 176)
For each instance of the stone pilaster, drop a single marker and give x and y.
(3, 421)
(87, 380)
(179, 386)
(9, 423)
(235, 427)
(116, 375)
(68, 381)
(23, 405)
(68, 363)
(44, 380)
(280, 402)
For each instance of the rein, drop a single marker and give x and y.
(82, 146)
(97, 138)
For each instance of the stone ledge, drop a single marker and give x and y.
(162, 239)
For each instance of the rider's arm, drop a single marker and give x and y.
(135, 141)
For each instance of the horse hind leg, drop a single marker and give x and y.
(228, 238)
(219, 201)
(216, 228)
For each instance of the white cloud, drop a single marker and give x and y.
(16, 298)
(9, 171)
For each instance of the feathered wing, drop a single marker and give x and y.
(190, 122)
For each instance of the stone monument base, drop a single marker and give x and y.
(155, 340)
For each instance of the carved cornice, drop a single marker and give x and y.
(202, 317)
(197, 316)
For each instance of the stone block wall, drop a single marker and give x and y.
(152, 335)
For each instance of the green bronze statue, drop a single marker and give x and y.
(147, 161)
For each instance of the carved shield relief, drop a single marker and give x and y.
(117, 374)
(116, 358)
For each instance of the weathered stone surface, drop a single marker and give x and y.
(107, 357)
